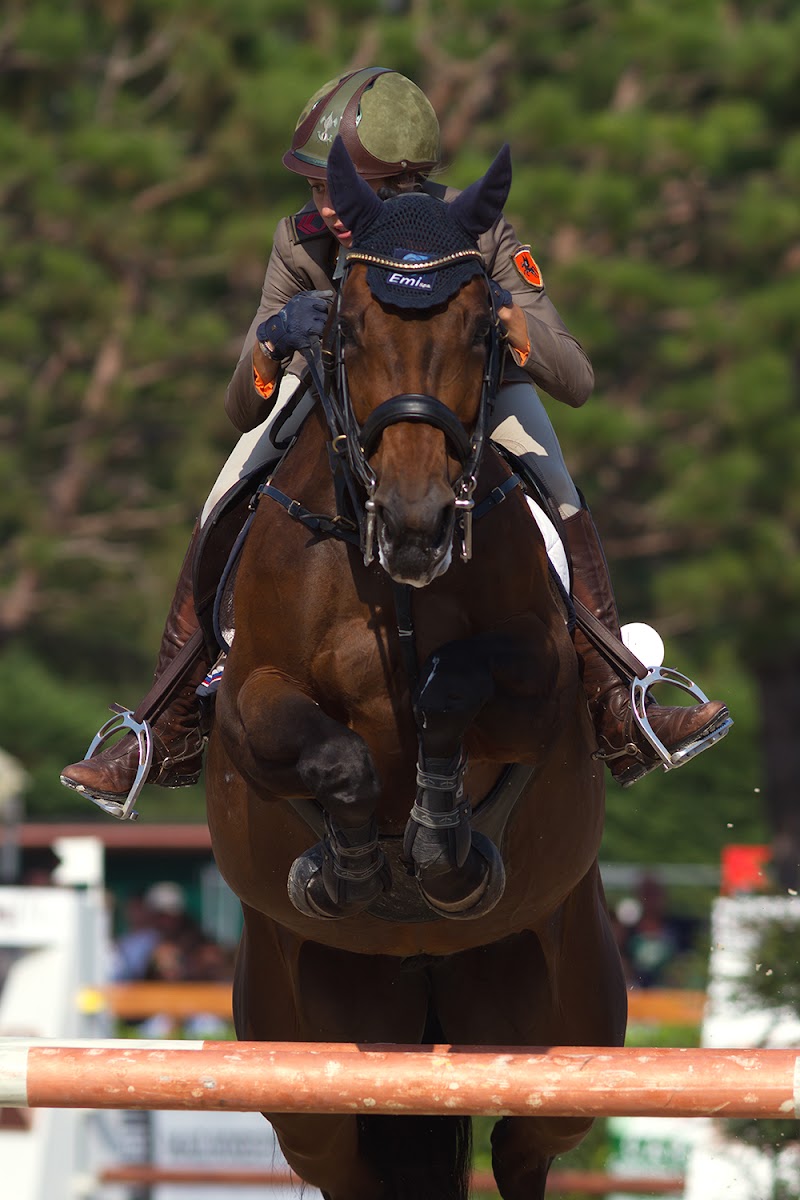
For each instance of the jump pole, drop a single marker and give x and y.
(315, 1077)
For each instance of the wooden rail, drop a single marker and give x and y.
(316, 1077)
(136, 1001)
(591, 1183)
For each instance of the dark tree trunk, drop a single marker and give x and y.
(779, 688)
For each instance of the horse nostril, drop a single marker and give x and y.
(424, 523)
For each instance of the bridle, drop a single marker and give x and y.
(353, 444)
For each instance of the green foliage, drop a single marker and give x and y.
(653, 1036)
(48, 724)
(772, 981)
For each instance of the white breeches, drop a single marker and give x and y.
(519, 422)
(256, 448)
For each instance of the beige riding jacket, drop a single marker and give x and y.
(304, 256)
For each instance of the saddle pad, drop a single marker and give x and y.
(553, 544)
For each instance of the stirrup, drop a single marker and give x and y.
(639, 690)
(124, 719)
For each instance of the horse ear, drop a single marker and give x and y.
(355, 202)
(479, 205)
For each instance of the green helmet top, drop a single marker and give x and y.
(387, 124)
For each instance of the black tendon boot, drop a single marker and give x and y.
(178, 741)
(683, 730)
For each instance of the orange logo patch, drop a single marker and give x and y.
(526, 265)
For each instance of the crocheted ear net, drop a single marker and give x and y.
(417, 254)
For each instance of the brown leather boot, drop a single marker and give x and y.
(620, 741)
(178, 741)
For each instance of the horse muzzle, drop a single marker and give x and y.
(415, 532)
(415, 541)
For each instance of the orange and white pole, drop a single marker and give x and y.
(317, 1077)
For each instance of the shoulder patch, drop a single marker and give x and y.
(307, 225)
(526, 265)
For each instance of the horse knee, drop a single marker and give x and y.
(273, 717)
(454, 689)
(282, 727)
(340, 772)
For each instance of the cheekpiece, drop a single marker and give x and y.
(417, 254)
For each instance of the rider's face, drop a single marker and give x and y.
(319, 192)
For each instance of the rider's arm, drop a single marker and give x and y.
(292, 268)
(542, 346)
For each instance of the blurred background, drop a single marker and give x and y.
(657, 176)
(656, 152)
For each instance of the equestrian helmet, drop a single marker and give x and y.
(387, 124)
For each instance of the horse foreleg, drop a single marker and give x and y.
(284, 728)
(460, 872)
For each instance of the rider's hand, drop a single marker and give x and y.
(301, 320)
(502, 296)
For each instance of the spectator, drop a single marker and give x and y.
(652, 948)
(164, 944)
(653, 940)
(196, 959)
(152, 918)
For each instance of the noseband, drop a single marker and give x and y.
(415, 406)
(355, 444)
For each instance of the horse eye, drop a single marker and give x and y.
(481, 331)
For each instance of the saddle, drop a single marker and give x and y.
(218, 551)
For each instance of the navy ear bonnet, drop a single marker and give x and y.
(417, 253)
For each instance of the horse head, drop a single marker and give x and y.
(419, 360)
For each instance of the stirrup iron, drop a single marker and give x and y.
(124, 719)
(639, 690)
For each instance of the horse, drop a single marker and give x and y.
(400, 783)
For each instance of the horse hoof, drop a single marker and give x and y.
(308, 894)
(483, 898)
(305, 878)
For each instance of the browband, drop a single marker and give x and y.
(400, 264)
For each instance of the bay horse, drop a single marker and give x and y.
(400, 782)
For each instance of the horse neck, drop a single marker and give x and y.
(304, 472)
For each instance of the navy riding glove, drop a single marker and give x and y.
(502, 296)
(302, 319)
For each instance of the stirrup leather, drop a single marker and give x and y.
(639, 690)
(124, 719)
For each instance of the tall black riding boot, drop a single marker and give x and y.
(620, 741)
(178, 741)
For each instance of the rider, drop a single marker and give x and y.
(392, 135)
